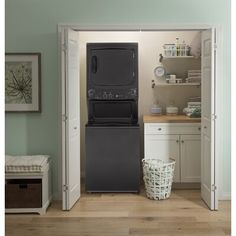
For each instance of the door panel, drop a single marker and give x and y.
(71, 109)
(208, 123)
(112, 159)
(190, 151)
(164, 147)
(206, 166)
(206, 109)
(115, 67)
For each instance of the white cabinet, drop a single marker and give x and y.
(180, 142)
(190, 149)
(19, 185)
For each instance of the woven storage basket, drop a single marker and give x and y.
(158, 178)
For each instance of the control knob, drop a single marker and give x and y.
(110, 96)
(133, 92)
(91, 93)
(104, 95)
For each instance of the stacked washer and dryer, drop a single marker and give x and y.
(112, 131)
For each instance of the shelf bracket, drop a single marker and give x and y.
(161, 57)
(65, 187)
(213, 187)
(153, 84)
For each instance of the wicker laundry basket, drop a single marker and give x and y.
(158, 178)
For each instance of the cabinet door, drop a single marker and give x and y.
(163, 147)
(190, 151)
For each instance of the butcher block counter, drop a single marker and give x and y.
(170, 119)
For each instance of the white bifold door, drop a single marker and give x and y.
(208, 162)
(70, 119)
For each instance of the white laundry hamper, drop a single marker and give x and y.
(158, 178)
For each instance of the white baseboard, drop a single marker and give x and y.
(225, 196)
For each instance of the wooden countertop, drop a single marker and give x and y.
(170, 119)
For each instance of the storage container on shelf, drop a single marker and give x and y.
(156, 109)
(168, 49)
(177, 45)
(172, 110)
(177, 49)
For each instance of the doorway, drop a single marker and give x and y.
(132, 35)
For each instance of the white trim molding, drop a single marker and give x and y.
(219, 80)
(225, 196)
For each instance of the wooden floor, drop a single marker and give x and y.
(126, 214)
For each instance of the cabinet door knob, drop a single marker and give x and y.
(182, 141)
(177, 141)
(204, 127)
(159, 129)
(199, 128)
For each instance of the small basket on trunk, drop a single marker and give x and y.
(158, 178)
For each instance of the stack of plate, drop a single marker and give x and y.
(194, 104)
(194, 108)
(194, 76)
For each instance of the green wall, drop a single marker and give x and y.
(31, 26)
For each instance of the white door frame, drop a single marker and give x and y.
(218, 81)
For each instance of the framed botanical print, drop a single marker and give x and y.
(22, 82)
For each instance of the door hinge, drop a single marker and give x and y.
(215, 47)
(65, 188)
(214, 116)
(64, 118)
(213, 188)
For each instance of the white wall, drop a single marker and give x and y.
(150, 46)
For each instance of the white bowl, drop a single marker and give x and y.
(172, 110)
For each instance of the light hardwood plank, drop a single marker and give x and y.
(123, 214)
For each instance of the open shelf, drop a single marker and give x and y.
(170, 57)
(174, 57)
(177, 84)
